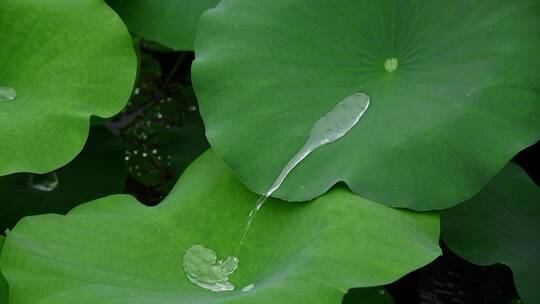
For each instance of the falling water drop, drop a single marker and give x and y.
(204, 269)
(7, 93)
(329, 128)
(43, 182)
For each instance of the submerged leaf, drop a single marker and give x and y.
(453, 87)
(66, 60)
(375, 295)
(96, 172)
(500, 225)
(116, 248)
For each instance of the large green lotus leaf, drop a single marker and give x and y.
(368, 296)
(500, 225)
(462, 101)
(4, 289)
(67, 60)
(115, 250)
(97, 171)
(172, 23)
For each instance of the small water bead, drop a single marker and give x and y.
(7, 93)
(43, 182)
(204, 269)
(391, 64)
(248, 287)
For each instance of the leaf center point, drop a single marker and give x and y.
(391, 64)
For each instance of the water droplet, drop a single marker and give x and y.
(144, 154)
(135, 152)
(391, 64)
(126, 158)
(137, 91)
(204, 269)
(154, 151)
(248, 287)
(7, 93)
(381, 291)
(159, 115)
(43, 182)
(329, 128)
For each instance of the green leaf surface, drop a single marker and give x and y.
(98, 171)
(172, 23)
(67, 60)
(115, 250)
(500, 225)
(4, 288)
(453, 86)
(376, 295)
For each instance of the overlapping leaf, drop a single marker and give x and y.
(172, 23)
(116, 250)
(453, 86)
(67, 60)
(500, 225)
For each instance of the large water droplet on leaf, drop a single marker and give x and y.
(204, 269)
(43, 182)
(7, 93)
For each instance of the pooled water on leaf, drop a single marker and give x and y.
(204, 269)
(7, 93)
(43, 182)
(200, 263)
(329, 128)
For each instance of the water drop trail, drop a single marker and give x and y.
(329, 128)
(201, 264)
